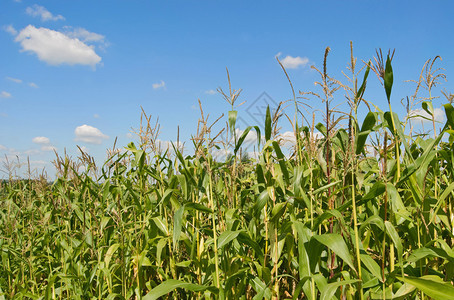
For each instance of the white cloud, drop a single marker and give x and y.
(41, 140)
(84, 35)
(288, 138)
(290, 62)
(56, 48)
(210, 92)
(43, 13)
(159, 85)
(89, 134)
(422, 116)
(4, 94)
(48, 148)
(220, 154)
(167, 145)
(33, 85)
(28, 152)
(10, 29)
(14, 79)
(2, 147)
(251, 138)
(44, 142)
(96, 116)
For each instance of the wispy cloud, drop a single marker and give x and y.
(44, 142)
(16, 80)
(43, 13)
(210, 92)
(41, 140)
(4, 94)
(159, 85)
(56, 48)
(290, 62)
(89, 134)
(84, 35)
(10, 29)
(33, 85)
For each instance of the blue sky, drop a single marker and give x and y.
(77, 72)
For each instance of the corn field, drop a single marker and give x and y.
(362, 211)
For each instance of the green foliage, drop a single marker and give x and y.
(341, 223)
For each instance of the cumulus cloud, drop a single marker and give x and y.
(14, 79)
(56, 48)
(89, 134)
(422, 116)
(10, 29)
(290, 62)
(4, 94)
(43, 13)
(210, 92)
(159, 85)
(33, 85)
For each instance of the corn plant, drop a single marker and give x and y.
(365, 211)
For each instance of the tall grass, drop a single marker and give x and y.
(365, 211)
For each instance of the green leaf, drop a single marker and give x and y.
(161, 225)
(449, 111)
(262, 199)
(377, 189)
(396, 240)
(110, 253)
(197, 206)
(232, 121)
(424, 252)
(362, 88)
(169, 285)
(281, 158)
(366, 128)
(226, 237)
(337, 244)
(330, 289)
(388, 80)
(278, 211)
(177, 221)
(371, 265)
(241, 139)
(326, 215)
(432, 286)
(268, 124)
(428, 107)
